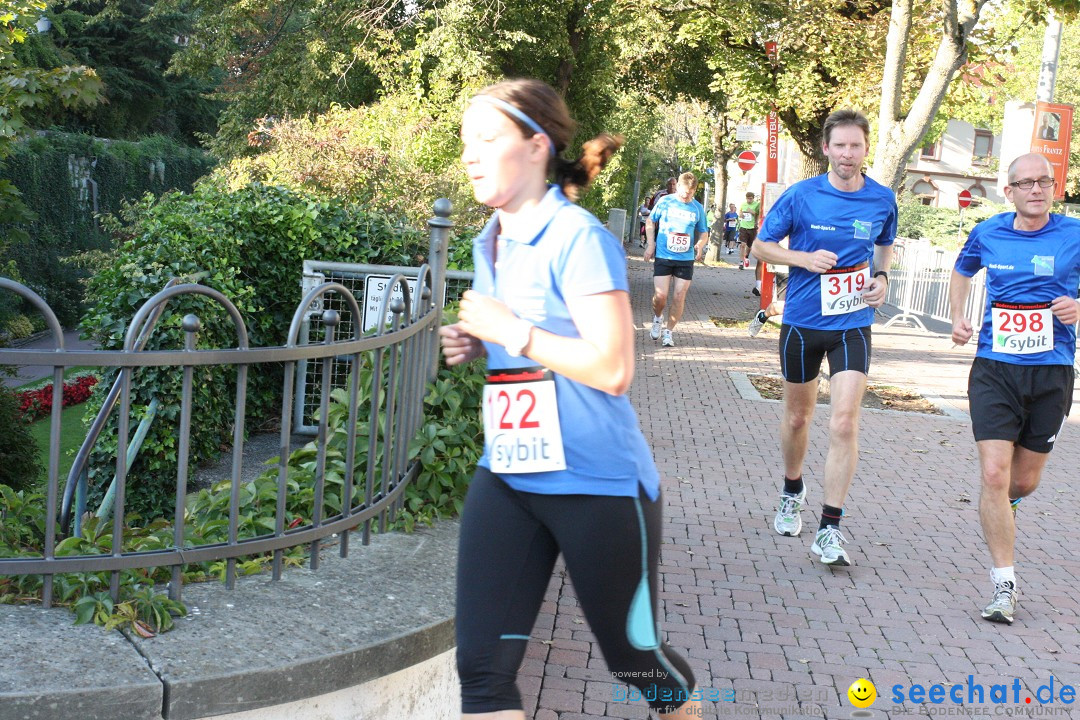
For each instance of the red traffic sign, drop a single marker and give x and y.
(963, 198)
(747, 160)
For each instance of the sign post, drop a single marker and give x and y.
(963, 199)
(772, 176)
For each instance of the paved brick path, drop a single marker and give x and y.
(751, 610)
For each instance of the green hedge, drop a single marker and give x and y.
(63, 226)
(942, 226)
(251, 241)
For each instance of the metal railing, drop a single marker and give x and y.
(401, 354)
(363, 281)
(75, 487)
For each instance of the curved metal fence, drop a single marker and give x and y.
(399, 357)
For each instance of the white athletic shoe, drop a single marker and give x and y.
(1003, 604)
(788, 521)
(655, 332)
(667, 341)
(756, 324)
(827, 546)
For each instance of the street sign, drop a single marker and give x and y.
(749, 133)
(747, 160)
(963, 198)
(374, 289)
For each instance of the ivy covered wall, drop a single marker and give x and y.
(63, 179)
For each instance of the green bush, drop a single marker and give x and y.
(941, 226)
(18, 451)
(251, 242)
(391, 155)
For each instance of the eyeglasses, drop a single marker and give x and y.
(1044, 182)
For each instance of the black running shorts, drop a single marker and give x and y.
(803, 349)
(1024, 404)
(682, 269)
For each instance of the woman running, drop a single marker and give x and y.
(566, 468)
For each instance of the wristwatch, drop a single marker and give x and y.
(520, 335)
(882, 273)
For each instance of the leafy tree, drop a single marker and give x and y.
(283, 59)
(130, 45)
(818, 67)
(900, 130)
(915, 79)
(981, 96)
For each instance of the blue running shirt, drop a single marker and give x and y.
(562, 253)
(814, 215)
(682, 223)
(1024, 272)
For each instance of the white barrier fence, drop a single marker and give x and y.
(919, 285)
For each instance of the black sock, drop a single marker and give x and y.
(830, 516)
(793, 487)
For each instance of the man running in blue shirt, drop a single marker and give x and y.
(840, 227)
(1021, 383)
(677, 233)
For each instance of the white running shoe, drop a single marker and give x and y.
(1003, 605)
(755, 325)
(827, 546)
(655, 332)
(667, 341)
(788, 521)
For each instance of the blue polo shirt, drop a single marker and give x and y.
(816, 216)
(564, 253)
(671, 215)
(1025, 268)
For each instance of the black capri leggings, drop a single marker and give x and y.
(508, 547)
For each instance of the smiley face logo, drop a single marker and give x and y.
(862, 693)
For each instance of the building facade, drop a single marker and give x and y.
(963, 158)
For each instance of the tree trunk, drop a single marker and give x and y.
(806, 132)
(574, 36)
(900, 133)
(724, 178)
(812, 166)
(724, 143)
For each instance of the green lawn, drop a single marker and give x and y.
(72, 434)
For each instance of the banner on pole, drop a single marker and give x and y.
(1051, 138)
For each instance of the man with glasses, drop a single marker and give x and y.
(1021, 383)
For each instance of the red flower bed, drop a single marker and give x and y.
(35, 404)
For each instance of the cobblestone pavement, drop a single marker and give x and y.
(761, 621)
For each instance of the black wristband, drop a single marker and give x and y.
(882, 273)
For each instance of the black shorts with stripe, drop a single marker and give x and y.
(1023, 404)
(803, 349)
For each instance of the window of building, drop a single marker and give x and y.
(984, 147)
(925, 192)
(931, 151)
